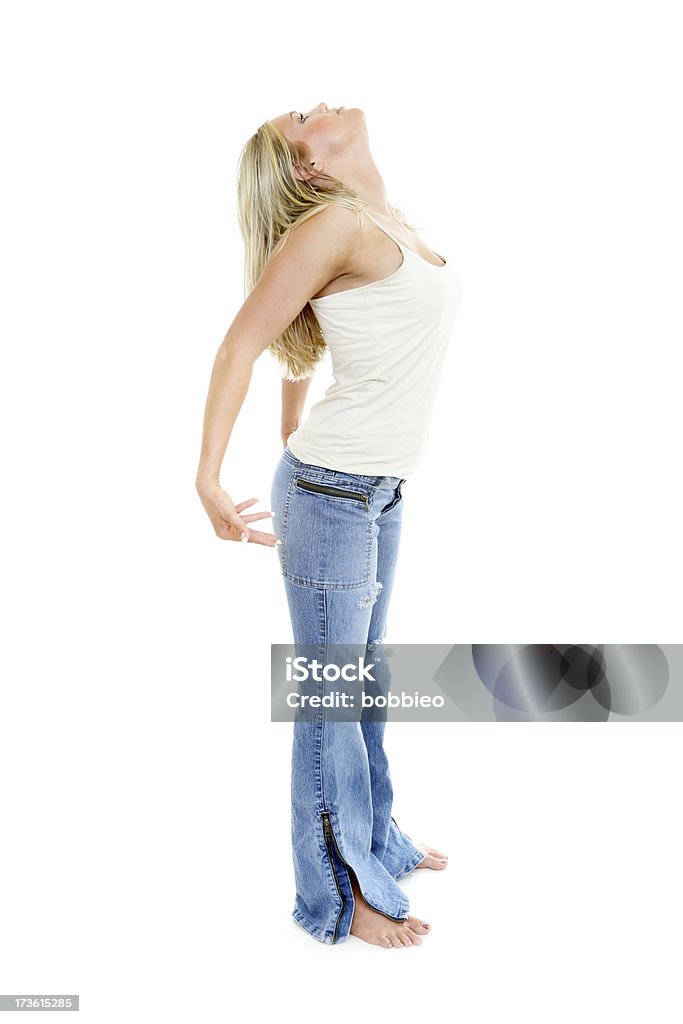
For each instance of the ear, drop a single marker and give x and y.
(304, 172)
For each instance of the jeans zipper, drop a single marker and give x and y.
(329, 834)
(394, 501)
(335, 492)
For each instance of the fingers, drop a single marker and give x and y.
(245, 505)
(259, 537)
(236, 527)
(254, 516)
(236, 531)
(258, 515)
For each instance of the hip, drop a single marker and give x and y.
(328, 520)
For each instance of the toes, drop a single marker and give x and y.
(430, 861)
(433, 858)
(436, 853)
(421, 927)
(399, 939)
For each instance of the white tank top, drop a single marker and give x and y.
(387, 341)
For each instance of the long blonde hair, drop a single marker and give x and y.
(271, 200)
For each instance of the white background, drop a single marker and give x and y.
(145, 860)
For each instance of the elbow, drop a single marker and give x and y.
(237, 348)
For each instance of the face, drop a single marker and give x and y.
(326, 130)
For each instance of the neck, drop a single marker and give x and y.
(359, 172)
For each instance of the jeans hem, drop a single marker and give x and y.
(412, 863)
(318, 933)
(403, 910)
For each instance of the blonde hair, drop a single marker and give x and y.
(271, 200)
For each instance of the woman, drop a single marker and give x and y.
(330, 263)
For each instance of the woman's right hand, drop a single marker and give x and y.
(226, 518)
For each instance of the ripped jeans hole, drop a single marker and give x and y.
(371, 597)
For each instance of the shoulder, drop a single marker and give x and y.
(328, 228)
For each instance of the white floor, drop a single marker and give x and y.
(560, 900)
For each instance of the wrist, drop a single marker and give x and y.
(206, 479)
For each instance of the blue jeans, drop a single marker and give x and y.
(339, 536)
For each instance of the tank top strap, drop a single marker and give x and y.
(385, 230)
(407, 248)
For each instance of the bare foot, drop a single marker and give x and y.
(373, 927)
(433, 858)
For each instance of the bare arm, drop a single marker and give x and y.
(315, 252)
(293, 400)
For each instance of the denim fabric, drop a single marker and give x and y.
(338, 557)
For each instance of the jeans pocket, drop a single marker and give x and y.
(332, 491)
(326, 533)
